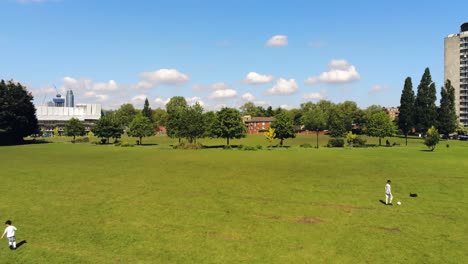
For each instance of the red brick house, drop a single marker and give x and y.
(256, 125)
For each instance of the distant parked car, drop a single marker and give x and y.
(463, 137)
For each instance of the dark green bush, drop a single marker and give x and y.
(249, 148)
(359, 142)
(82, 140)
(259, 147)
(306, 145)
(335, 143)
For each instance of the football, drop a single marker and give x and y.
(399, 203)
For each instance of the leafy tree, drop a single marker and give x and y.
(350, 138)
(407, 109)
(194, 121)
(432, 138)
(270, 135)
(380, 125)
(74, 128)
(56, 132)
(147, 110)
(108, 127)
(447, 120)
(209, 119)
(284, 127)
(248, 108)
(140, 127)
(425, 108)
(269, 112)
(336, 123)
(159, 117)
(125, 114)
(228, 124)
(175, 120)
(314, 120)
(297, 115)
(17, 113)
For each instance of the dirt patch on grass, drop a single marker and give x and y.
(308, 220)
(223, 236)
(344, 206)
(388, 229)
(299, 220)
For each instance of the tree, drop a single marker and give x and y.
(147, 110)
(425, 108)
(248, 108)
(270, 135)
(125, 114)
(336, 123)
(228, 124)
(406, 116)
(380, 125)
(74, 128)
(17, 113)
(175, 122)
(108, 127)
(447, 119)
(314, 120)
(56, 132)
(209, 119)
(269, 111)
(194, 121)
(284, 127)
(140, 127)
(432, 138)
(159, 117)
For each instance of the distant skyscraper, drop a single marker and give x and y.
(70, 99)
(456, 70)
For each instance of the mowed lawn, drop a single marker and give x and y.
(82, 203)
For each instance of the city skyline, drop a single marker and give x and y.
(224, 54)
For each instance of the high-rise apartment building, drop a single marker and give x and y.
(70, 99)
(456, 70)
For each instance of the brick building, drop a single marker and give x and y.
(256, 125)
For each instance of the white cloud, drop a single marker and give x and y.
(283, 87)
(248, 97)
(314, 96)
(285, 106)
(261, 103)
(256, 78)
(223, 94)
(162, 76)
(213, 87)
(161, 102)
(377, 88)
(277, 41)
(339, 71)
(102, 97)
(109, 86)
(194, 100)
(139, 98)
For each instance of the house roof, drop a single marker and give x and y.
(260, 119)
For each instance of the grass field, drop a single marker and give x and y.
(83, 203)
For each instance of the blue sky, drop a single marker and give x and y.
(114, 52)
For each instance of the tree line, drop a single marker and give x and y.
(418, 113)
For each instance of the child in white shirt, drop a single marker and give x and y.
(10, 234)
(388, 193)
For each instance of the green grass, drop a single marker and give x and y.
(82, 203)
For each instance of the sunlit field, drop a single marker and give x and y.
(87, 203)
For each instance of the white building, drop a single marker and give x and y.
(50, 117)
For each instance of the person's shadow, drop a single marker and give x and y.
(21, 243)
(382, 201)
